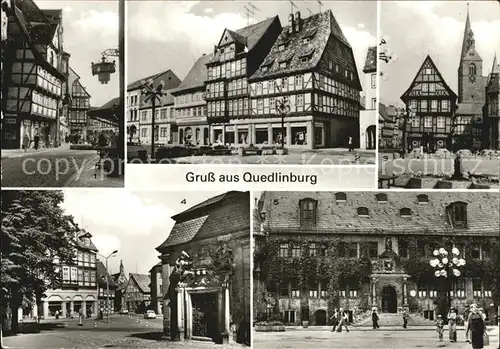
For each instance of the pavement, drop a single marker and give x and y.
(53, 168)
(384, 338)
(326, 157)
(123, 332)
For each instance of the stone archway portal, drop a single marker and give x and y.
(389, 300)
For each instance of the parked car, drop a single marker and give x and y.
(124, 311)
(150, 314)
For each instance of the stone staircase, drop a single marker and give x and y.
(395, 320)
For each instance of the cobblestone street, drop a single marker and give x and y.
(380, 339)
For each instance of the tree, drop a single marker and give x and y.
(35, 229)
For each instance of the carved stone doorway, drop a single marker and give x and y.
(389, 300)
(205, 317)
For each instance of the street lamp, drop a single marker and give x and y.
(153, 94)
(283, 108)
(112, 254)
(446, 266)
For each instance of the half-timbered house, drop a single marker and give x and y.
(492, 108)
(312, 64)
(33, 82)
(431, 106)
(236, 57)
(79, 105)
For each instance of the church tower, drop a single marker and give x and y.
(122, 271)
(470, 71)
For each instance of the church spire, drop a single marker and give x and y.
(468, 40)
(496, 67)
(121, 266)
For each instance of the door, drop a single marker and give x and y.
(389, 300)
(370, 137)
(320, 317)
(205, 315)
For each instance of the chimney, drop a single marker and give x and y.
(298, 22)
(291, 29)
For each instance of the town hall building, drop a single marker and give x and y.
(317, 251)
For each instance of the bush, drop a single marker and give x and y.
(269, 323)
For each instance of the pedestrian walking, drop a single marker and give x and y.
(375, 318)
(351, 147)
(36, 140)
(335, 319)
(80, 317)
(476, 327)
(406, 318)
(440, 327)
(466, 323)
(342, 321)
(452, 324)
(57, 314)
(26, 141)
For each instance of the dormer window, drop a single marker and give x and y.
(307, 40)
(264, 68)
(405, 212)
(283, 64)
(363, 212)
(423, 199)
(381, 198)
(304, 59)
(457, 214)
(308, 209)
(282, 47)
(340, 197)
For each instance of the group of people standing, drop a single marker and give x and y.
(339, 319)
(27, 141)
(475, 326)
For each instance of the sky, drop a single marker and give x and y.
(90, 27)
(132, 222)
(439, 33)
(164, 35)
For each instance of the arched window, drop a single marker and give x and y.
(472, 69)
(405, 212)
(422, 199)
(381, 197)
(340, 197)
(363, 212)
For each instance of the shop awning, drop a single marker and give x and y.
(110, 113)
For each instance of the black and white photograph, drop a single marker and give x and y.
(439, 93)
(376, 269)
(263, 82)
(62, 114)
(160, 270)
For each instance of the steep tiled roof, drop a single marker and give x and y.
(196, 76)
(383, 112)
(342, 217)
(80, 243)
(183, 232)
(248, 36)
(223, 213)
(142, 281)
(206, 203)
(320, 28)
(109, 105)
(166, 99)
(494, 83)
(371, 60)
(43, 33)
(102, 274)
(31, 11)
(138, 83)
